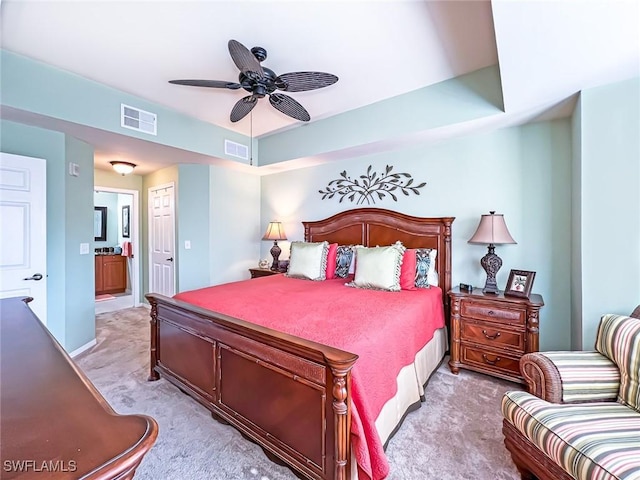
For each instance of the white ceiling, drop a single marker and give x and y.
(546, 50)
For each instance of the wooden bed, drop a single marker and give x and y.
(195, 348)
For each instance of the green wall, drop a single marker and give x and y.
(192, 205)
(235, 224)
(522, 172)
(576, 229)
(80, 269)
(475, 95)
(610, 203)
(70, 282)
(218, 211)
(39, 88)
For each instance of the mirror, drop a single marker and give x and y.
(100, 224)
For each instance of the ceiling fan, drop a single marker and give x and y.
(262, 81)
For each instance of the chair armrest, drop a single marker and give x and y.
(571, 377)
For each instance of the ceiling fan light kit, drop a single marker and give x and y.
(123, 168)
(261, 82)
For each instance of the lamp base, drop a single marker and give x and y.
(275, 253)
(491, 264)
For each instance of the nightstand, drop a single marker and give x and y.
(490, 332)
(262, 272)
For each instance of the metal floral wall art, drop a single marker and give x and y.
(371, 187)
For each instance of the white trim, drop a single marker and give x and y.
(135, 238)
(83, 348)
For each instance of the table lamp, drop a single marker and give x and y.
(275, 232)
(492, 231)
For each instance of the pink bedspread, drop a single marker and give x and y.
(386, 330)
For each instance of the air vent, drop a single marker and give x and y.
(237, 150)
(136, 119)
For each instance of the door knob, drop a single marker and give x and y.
(170, 259)
(35, 276)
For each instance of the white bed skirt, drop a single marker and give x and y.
(411, 380)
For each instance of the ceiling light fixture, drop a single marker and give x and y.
(123, 168)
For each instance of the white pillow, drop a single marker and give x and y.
(432, 275)
(308, 260)
(379, 267)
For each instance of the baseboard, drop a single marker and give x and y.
(84, 347)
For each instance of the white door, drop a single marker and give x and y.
(162, 240)
(23, 230)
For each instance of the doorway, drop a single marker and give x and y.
(117, 249)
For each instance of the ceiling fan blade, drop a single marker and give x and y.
(246, 61)
(243, 107)
(289, 106)
(303, 81)
(207, 83)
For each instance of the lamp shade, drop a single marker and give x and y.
(492, 230)
(123, 168)
(274, 232)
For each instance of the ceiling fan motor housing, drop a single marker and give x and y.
(262, 86)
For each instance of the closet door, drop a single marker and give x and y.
(23, 230)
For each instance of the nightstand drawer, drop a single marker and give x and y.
(483, 311)
(488, 334)
(488, 360)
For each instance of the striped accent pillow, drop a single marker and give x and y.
(595, 441)
(619, 339)
(586, 376)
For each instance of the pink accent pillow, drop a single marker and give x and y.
(331, 261)
(408, 270)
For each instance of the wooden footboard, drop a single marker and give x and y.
(291, 396)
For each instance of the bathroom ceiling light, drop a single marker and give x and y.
(123, 168)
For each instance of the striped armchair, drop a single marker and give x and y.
(580, 418)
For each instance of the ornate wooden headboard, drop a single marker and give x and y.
(375, 226)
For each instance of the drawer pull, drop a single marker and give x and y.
(490, 362)
(491, 337)
(491, 312)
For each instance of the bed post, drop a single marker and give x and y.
(446, 284)
(341, 417)
(153, 375)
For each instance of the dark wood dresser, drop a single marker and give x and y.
(489, 333)
(54, 422)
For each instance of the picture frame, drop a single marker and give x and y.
(519, 283)
(126, 223)
(100, 224)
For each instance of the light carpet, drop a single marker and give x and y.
(455, 435)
